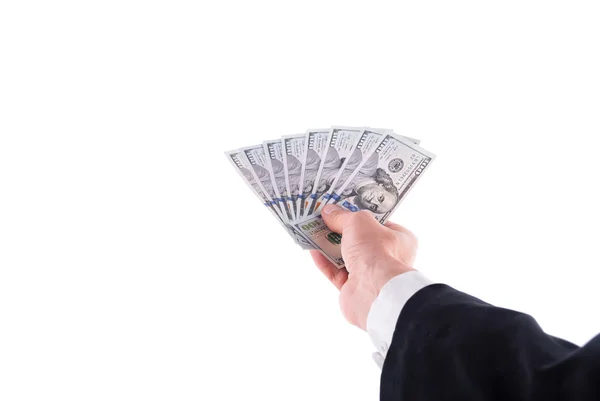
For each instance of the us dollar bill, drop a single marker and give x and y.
(341, 142)
(379, 186)
(320, 237)
(386, 177)
(366, 144)
(241, 163)
(315, 145)
(275, 164)
(258, 161)
(295, 151)
(370, 158)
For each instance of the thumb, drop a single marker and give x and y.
(336, 218)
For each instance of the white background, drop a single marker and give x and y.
(135, 264)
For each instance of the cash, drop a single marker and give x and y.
(293, 162)
(357, 168)
(242, 165)
(274, 157)
(316, 146)
(340, 144)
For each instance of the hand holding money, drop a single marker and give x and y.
(356, 168)
(373, 253)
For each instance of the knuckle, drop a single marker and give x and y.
(363, 214)
(389, 236)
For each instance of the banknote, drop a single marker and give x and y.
(368, 159)
(294, 149)
(242, 165)
(275, 164)
(386, 176)
(378, 185)
(358, 168)
(244, 168)
(366, 143)
(258, 161)
(320, 237)
(316, 144)
(341, 142)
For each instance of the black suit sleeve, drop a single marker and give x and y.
(451, 346)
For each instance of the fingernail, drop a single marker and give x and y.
(328, 209)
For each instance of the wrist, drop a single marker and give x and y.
(387, 270)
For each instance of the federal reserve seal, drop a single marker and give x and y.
(395, 165)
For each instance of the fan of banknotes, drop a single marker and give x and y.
(356, 168)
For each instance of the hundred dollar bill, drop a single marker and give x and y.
(315, 145)
(320, 237)
(340, 145)
(379, 186)
(258, 161)
(368, 159)
(367, 142)
(295, 150)
(275, 164)
(242, 165)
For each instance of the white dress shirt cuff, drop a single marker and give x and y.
(384, 313)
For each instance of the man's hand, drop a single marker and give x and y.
(373, 254)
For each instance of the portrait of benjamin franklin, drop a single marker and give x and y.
(371, 189)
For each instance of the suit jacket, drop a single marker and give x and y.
(448, 345)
